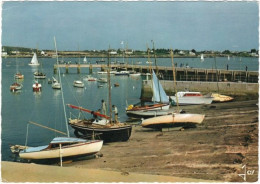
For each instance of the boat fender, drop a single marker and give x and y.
(130, 107)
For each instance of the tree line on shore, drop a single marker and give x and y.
(160, 52)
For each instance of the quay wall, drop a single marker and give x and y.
(227, 88)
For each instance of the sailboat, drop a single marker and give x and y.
(61, 147)
(39, 75)
(37, 87)
(55, 84)
(101, 126)
(34, 61)
(174, 119)
(160, 101)
(202, 57)
(18, 74)
(15, 87)
(85, 60)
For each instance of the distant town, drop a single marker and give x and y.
(9, 51)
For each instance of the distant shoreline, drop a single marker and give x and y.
(105, 56)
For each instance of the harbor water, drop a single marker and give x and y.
(46, 107)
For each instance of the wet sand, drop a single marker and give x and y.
(216, 150)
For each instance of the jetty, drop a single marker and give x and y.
(182, 73)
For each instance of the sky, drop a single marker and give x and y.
(99, 25)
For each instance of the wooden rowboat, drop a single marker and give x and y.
(173, 120)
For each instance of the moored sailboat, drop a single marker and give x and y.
(37, 87)
(61, 147)
(104, 127)
(34, 61)
(15, 87)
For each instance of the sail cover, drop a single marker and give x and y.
(159, 94)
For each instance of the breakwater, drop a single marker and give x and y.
(182, 73)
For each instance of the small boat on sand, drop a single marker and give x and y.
(65, 146)
(221, 98)
(191, 98)
(173, 120)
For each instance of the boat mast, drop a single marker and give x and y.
(174, 81)
(67, 127)
(109, 86)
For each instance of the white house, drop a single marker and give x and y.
(113, 52)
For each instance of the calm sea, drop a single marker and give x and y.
(46, 107)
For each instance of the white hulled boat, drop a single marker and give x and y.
(65, 146)
(78, 84)
(37, 87)
(55, 84)
(34, 61)
(191, 98)
(61, 147)
(15, 87)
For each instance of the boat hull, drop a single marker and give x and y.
(117, 134)
(192, 100)
(40, 76)
(147, 114)
(173, 120)
(79, 149)
(148, 107)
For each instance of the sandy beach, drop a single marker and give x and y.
(214, 151)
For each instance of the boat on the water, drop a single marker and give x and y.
(173, 120)
(134, 73)
(55, 84)
(34, 61)
(62, 147)
(90, 78)
(15, 87)
(191, 98)
(39, 75)
(122, 72)
(202, 57)
(37, 87)
(105, 72)
(85, 60)
(78, 84)
(101, 126)
(102, 80)
(18, 76)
